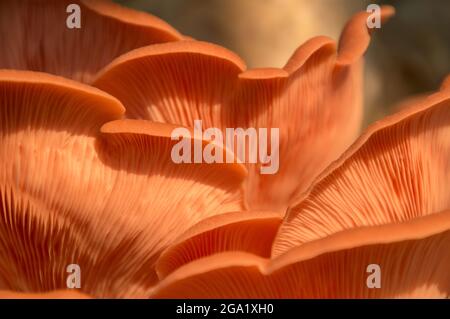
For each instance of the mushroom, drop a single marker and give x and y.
(413, 258)
(397, 171)
(384, 203)
(81, 185)
(34, 35)
(248, 231)
(74, 190)
(56, 294)
(315, 100)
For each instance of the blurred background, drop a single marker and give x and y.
(409, 56)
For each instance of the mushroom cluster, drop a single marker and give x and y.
(86, 177)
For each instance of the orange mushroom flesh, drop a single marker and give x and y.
(176, 82)
(446, 84)
(251, 232)
(57, 294)
(47, 149)
(36, 35)
(397, 171)
(133, 204)
(315, 101)
(413, 259)
(403, 227)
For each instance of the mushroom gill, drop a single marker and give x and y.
(315, 100)
(413, 258)
(397, 171)
(248, 231)
(383, 203)
(176, 82)
(56, 294)
(74, 190)
(34, 35)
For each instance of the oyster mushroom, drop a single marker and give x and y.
(446, 84)
(315, 100)
(79, 184)
(413, 258)
(252, 232)
(104, 196)
(34, 36)
(383, 203)
(397, 171)
(56, 294)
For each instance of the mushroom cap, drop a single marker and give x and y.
(247, 231)
(398, 170)
(314, 101)
(35, 35)
(446, 84)
(104, 196)
(413, 258)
